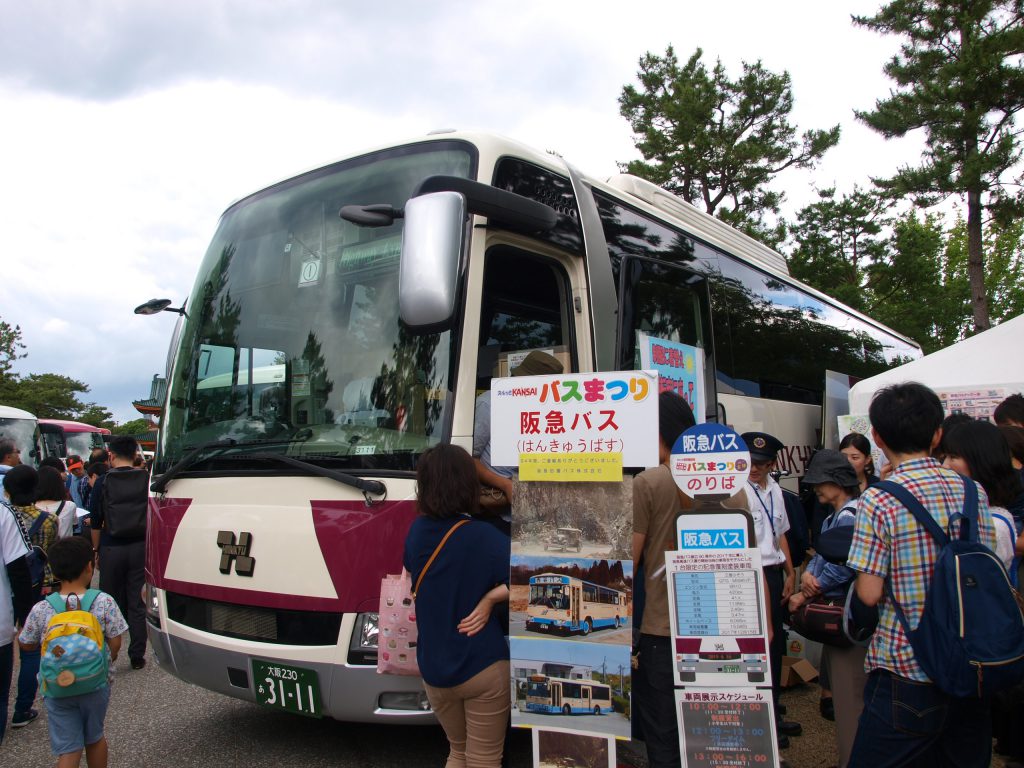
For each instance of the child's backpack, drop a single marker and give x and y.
(970, 640)
(74, 658)
(125, 502)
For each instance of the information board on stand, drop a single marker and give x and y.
(717, 609)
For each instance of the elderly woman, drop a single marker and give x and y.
(462, 653)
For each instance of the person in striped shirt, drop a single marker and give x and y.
(907, 719)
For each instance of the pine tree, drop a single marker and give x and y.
(959, 79)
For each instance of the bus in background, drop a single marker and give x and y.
(567, 604)
(279, 505)
(62, 438)
(23, 428)
(555, 696)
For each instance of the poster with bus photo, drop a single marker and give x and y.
(572, 599)
(582, 520)
(571, 686)
(557, 749)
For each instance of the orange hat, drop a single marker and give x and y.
(75, 465)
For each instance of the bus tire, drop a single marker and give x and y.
(566, 709)
(587, 626)
(597, 710)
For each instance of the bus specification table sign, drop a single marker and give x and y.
(730, 727)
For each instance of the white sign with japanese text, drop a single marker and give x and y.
(709, 460)
(575, 413)
(716, 605)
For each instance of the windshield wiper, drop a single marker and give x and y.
(368, 487)
(160, 484)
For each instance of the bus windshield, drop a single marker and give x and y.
(549, 596)
(82, 443)
(536, 688)
(292, 340)
(23, 433)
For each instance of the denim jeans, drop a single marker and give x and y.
(28, 682)
(6, 669)
(907, 723)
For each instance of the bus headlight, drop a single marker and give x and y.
(152, 597)
(363, 647)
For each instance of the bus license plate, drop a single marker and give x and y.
(292, 689)
(731, 668)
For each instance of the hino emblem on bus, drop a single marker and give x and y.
(239, 553)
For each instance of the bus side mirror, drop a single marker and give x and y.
(432, 242)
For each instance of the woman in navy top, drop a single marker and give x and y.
(461, 652)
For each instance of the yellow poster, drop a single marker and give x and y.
(571, 467)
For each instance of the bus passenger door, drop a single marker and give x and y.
(575, 602)
(556, 695)
(663, 302)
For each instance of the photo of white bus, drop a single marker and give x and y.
(556, 696)
(566, 604)
(344, 320)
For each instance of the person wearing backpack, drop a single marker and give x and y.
(78, 631)
(117, 506)
(908, 717)
(41, 531)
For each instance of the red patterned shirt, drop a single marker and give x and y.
(889, 542)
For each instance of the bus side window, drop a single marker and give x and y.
(665, 302)
(525, 306)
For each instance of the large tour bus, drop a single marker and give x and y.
(567, 604)
(555, 696)
(277, 510)
(23, 428)
(63, 438)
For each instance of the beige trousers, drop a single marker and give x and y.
(474, 716)
(847, 677)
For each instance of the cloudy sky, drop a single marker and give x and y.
(129, 125)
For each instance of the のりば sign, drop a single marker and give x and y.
(709, 460)
(576, 413)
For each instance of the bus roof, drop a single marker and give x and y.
(74, 426)
(638, 192)
(10, 412)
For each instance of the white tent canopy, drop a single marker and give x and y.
(991, 360)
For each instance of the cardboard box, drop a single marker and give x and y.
(796, 671)
(799, 647)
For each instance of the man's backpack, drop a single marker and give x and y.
(74, 658)
(970, 640)
(125, 501)
(36, 557)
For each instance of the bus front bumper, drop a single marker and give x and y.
(349, 693)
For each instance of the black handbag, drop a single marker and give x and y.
(821, 619)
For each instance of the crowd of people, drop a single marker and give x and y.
(56, 526)
(55, 533)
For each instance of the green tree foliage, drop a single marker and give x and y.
(715, 141)
(10, 348)
(959, 79)
(132, 427)
(53, 396)
(837, 239)
(908, 289)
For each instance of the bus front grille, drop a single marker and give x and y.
(263, 625)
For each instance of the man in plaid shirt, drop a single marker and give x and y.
(906, 719)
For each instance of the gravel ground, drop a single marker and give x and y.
(155, 720)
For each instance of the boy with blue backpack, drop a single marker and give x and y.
(950, 631)
(78, 632)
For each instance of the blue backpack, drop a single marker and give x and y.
(74, 659)
(970, 640)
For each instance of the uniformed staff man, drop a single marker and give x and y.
(770, 525)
